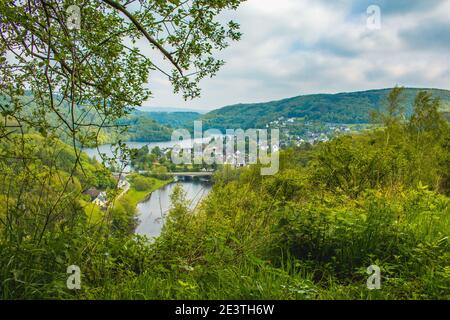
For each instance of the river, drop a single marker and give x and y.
(151, 212)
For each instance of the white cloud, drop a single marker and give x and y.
(293, 47)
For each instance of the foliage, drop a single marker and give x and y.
(174, 119)
(95, 67)
(142, 127)
(76, 85)
(311, 231)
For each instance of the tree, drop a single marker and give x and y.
(426, 117)
(157, 152)
(60, 81)
(58, 78)
(142, 183)
(394, 115)
(395, 109)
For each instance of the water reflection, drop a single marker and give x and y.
(151, 213)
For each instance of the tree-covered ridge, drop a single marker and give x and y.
(134, 125)
(141, 127)
(176, 119)
(354, 107)
(154, 126)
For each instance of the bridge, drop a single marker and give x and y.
(191, 174)
(174, 174)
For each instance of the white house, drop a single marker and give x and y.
(101, 200)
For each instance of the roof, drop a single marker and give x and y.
(92, 192)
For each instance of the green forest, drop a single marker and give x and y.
(350, 108)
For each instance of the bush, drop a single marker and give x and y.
(141, 183)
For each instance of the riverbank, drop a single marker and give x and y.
(141, 190)
(124, 213)
(136, 191)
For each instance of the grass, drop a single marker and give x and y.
(93, 211)
(201, 261)
(134, 197)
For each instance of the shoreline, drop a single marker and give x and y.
(141, 196)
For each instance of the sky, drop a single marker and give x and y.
(296, 47)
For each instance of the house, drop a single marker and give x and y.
(122, 184)
(236, 159)
(92, 193)
(101, 200)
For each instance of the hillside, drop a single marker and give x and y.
(173, 119)
(353, 107)
(170, 110)
(156, 126)
(143, 126)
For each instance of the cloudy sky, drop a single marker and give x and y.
(294, 47)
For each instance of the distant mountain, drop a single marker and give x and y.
(143, 128)
(156, 126)
(169, 109)
(172, 119)
(351, 108)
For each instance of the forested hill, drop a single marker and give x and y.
(174, 119)
(142, 126)
(354, 107)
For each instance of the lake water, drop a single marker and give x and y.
(108, 149)
(152, 212)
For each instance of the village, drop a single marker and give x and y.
(298, 131)
(158, 161)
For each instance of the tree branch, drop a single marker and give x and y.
(139, 26)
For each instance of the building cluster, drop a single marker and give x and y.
(296, 131)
